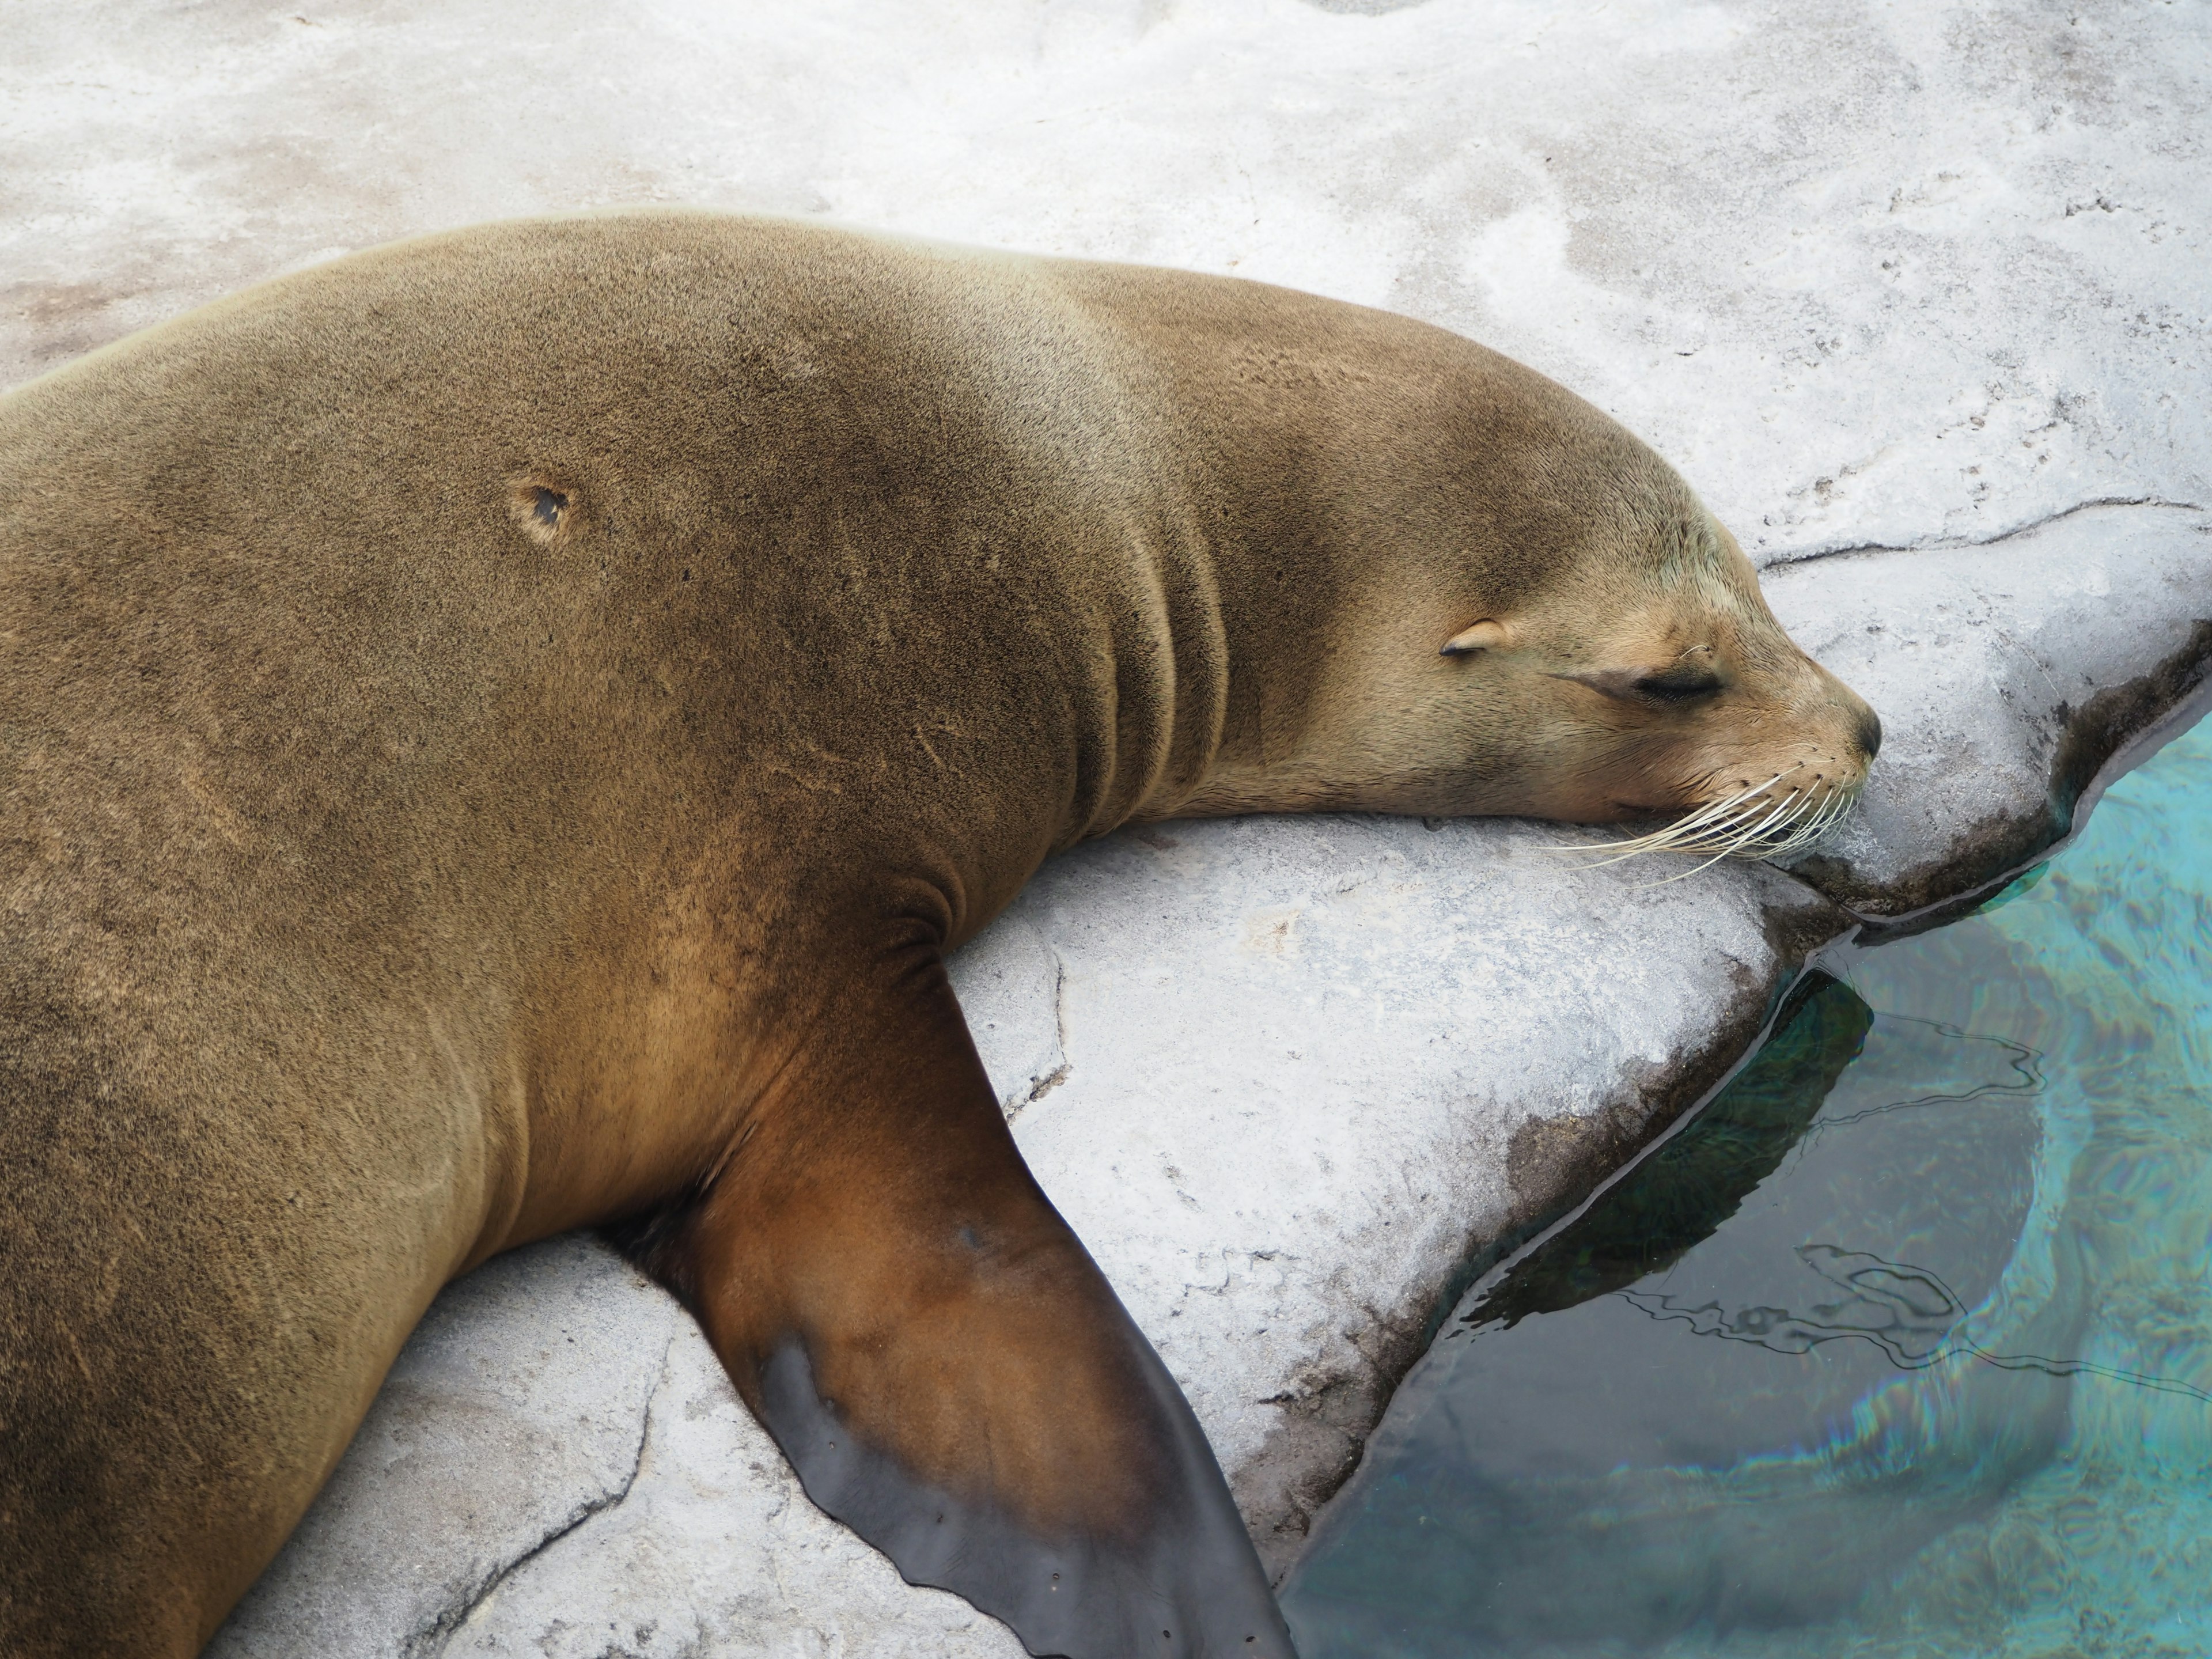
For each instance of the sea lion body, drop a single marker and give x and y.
(497, 733)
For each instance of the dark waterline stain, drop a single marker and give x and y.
(1676, 1198)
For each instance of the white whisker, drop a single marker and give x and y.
(1752, 822)
(1685, 834)
(1725, 834)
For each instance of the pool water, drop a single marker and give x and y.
(1903, 1346)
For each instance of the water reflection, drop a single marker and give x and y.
(1905, 1346)
(1906, 1312)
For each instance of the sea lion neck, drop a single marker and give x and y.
(1334, 459)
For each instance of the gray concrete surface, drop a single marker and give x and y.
(1918, 296)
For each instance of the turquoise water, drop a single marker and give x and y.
(1903, 1347)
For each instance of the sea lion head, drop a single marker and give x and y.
(1653, 681)
(1575, 637)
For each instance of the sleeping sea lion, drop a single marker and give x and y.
(498, 733)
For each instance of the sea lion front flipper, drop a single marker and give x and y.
(941, 1360)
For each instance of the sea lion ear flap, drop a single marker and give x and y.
(1484, 635)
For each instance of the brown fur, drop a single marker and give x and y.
(496, 735)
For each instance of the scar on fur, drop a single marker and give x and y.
(545, 510)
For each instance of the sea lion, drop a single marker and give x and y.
(497, 734)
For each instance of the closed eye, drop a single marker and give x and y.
(1670, 686)
(1676, 685)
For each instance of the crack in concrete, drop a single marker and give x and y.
(1060, 1006)
(432, 1641)
(1040, 1087)
(1782, 558)
(1044, 1085)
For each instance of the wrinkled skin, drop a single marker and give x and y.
(497, 735)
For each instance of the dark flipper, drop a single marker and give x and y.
(940, 1359)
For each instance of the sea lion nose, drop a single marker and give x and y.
(1869, 732)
